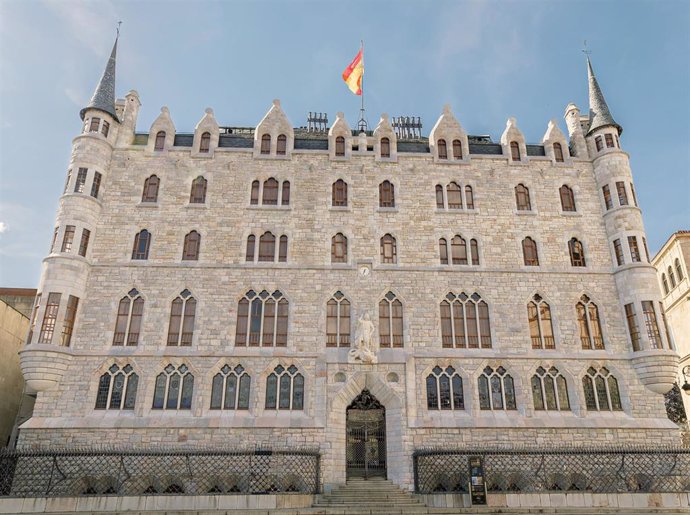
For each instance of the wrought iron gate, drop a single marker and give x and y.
(366, 437)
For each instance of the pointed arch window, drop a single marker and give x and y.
(601, 390)
(266, 144)
(522, 199)
(442, 149)
(577, 252)
(282, 249)
(550, 390)
(150, 193)
(474, 251)
(270, 197)
(469, 197)
(679, 270)
(192, 244)
(281, 148)
(567, 198)
(465, 322)
(590, 324)
(540, 323)
(671, 277)
(529, 252)
(285, 389)
(339, 248)
(665, 283)
(117, 388)
(389, 251)
(390, 321)
(444, 389)
(339, 198)
(160, 141)
(142, 243)
(230, 388)
(285, 194)
(386, 194)
(439, 197)
(558, 152)
(457, 149)
(340, 146)
(128, 322)
(182, 315)
(385, 147)
(443, 250)
(496, 390)
(454, 196)
(251, 242)
(262, 320)
(198, 193)
(174, 388)
(205, 143)
(514, 151)
(458, 250)
(254, 197)
(267, 247)
(338, 321)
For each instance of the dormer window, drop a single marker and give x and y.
(95, 122)
(558, 152)
(385, 147)
(160, 141)
(442, 149)
(339, 146)
(282, 145)
(105, 128)
(205, 143)
(265, 144)
(515, 151)
(457, 149)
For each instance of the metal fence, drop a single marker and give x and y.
(607, 470)
(68, 473)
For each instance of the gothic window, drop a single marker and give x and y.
(469, 197)
(282, 145)
(443, 250)
(142, 242)
(150, 193)
(442, 149)
(529, 252)
(230, 388)
(650, 323)
(389, 252)
(679, 270)
(618, 249)
(69, 177)
(514, 151)
(558, 152)
(385, 147)
(192, 243)
(339, 198)
(339, 248)
(285, 194)
(634, 249)
(128, 322)
(567, 198)
(474, 251)
(340, 146)
(550, 390)
(390, 321)
(68, 323)
(251, 242)
(665, 283)
(266, 144)
(458, 250)
(95, 122)
(386, 194)
(267, 247)
(285, 389)
(282, 249)
(457, 149)
(205, 143)
(68, 239)
(444, 389)
(262, 320)
(634, 332)
(34, 318)
(160, 141)
(117, 388)
(496, 390)
(577, 253)
(607, 196)
(590, 325)
(454, 196)
(598, 143)
(601, 390)
(439, 197)
(465, 322)
(522, 198)
(270, 197)
(622, 194)
(540, 323)
(338, 321)
(96, 184)
(84, 244)
(198, 193)
(50, 318)
(254, 198)
(81, 180)
(182, 315)
(609, 141)
(174, 388)
(105, 129)
(671, 277)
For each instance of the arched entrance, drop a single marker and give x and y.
(365, 445)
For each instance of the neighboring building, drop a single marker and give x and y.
(243, 287)
(672, 263)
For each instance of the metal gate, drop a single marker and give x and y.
(366, 437)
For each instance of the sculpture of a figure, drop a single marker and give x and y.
(363, 350)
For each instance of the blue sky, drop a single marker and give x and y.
(489, 59)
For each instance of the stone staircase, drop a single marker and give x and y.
(375, 495)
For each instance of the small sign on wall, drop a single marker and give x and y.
(477, 483)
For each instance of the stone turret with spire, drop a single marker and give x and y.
(599, 114)
(103, 98)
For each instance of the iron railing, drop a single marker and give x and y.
(70, 472)
(605, 470)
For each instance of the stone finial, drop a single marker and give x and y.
(511, 132)
(340, 126)
(553, 133)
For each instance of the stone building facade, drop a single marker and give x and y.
(471, 287)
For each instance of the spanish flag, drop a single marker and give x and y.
(353, 73)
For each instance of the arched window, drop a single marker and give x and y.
(529, 252)
(160, 141)
(567, 198)
(389, 251)
(442, 149)
(339, 248)
(540, 325)
(174, 388)
(679, 270)
(385, 147)
(386, 194)
(457, 149)
(598, 143)
(117, 388)
(444, 389)
(439, 197)
(665, 283)
(254, 197)
(192, 243)
(558, 152)
(285, 389)
(522, 198)
(266, 144)
(267, 247)
(182, 314)
(601, 390)
(340, 146)
(230, 388)
(262, 320)
(514, 151)
(270, 192)
(590, 326)
(390, 321)
(671, 277)
(251, 243)
(469, 197)
(443, 250)
(458, 250)
(95, 122)
(338, 321)
(128, 322)
(474, 250)
(577, 253)
(285, 194)
(282, 145)
(496, 390)
(198, 193)
(465, 322)
(150, 193)
(142, 242)
(282, 249)
(205, 143)
(454, 196)
(339, 193)
(550, 390)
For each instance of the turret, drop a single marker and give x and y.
(574, 122)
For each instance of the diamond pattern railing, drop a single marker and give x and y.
(607, 470)
(69, 473)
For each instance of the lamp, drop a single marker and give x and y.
(686, 375)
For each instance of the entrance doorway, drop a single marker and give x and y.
(366, 437)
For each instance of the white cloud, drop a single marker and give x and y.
(3, 227)
(76, 97)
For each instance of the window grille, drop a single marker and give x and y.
(105, 129)
(254, 198)
(390, 321)
(465, 321)
(469, 197)
(95, 122)
(590, 326)
(128, 321)
(540, 323)
(338, 321)
(262, 320)
(182, 315)
(443, 250)
(439, 197)
(251, 242)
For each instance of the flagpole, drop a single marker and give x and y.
(362, 122)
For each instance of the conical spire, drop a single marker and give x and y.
(599, 114)
(103, 98)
